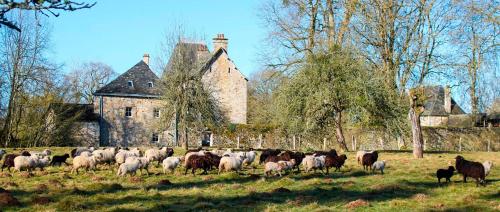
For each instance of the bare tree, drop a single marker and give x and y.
(46, 7)
(83, 81)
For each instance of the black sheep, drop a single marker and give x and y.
(445, 173)
(213, 160)
(470, 169)
(268, 152)
(170, 152)
(197, 162)
(337, 162)
(59, 159)
(369, 159)
(332, 153)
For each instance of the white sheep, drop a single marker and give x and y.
(122, 155)
(271, 167)
(108, 155)
(156, 154)
(87, 162)
(249, 157)
(170, 164)
(378, 165)
(359, 155)
(43, 153)
(488, 165)
(42, 162)
(230, 163)
(130, 167)
(313, 162)
(143, 163)
(79, 150)
(2, 152)
(25, 162)
(286, 165)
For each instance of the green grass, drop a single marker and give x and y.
(408, 185)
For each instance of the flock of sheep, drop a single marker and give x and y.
(275, 161)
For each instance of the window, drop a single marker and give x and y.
(128, 112)
(130, 84)
(155, 138)
(228, 70)
(150, 84)
(156, 113)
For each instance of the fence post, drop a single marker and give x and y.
(238, 144)
(425, 144)
(399, 142)
(260, 141)
(460, 145)
(300, 143)
(324, 143)
(489, 145)
(293, 142)
(211, 139)
(353, 144)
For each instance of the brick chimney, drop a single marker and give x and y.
(145, 58)
(220, 42)
(447, 99)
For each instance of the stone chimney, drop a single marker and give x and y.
(220, 42)
(145, 58)
(447, 99)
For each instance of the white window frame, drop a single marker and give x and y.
(128, 114)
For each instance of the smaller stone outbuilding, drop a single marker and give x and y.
(77, 122)
(441, 109)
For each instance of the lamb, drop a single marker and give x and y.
(445, 173)
(488, 165)
(470, 169)
(369, 159)
(59, 159)
(87, 162)
(378, 165)
(249, 157)
(336, 162)
(313, 162)
(158, 154)
(359, 155)
(129, 167)
(270, 167)
(44, 153)
(122, 155)
(170, 164)
(197, 162)
(230, 163)
(287, 156)
(2, 152)
(268, 152)
(42, 162)
(8, 162)
(287, 165)
(26, 162)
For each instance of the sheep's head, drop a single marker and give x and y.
(459, 158)
(47, 152)
(451, 168)
(343, 157)
(292, 161)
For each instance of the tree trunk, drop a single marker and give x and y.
(339, 134)
(416, 131)
(186, 140)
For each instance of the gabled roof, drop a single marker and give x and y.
(434, 105)
(140, 75)
(197, 51)
(214, 58)
(81, 112)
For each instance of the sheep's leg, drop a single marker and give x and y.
(327, 170)
(186, 171)
(193, 170)
(382, 171)
(465, 178)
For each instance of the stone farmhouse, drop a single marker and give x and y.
(129, 106)
(441, 110)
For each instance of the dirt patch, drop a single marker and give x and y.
(347, 184)
(3, 174)
(164, 183)
(357, 203)
(420, 197)
(254, 176)
(44, 172)
(6, 199)
(207, 178)
(328, 181)
(96, 178)
(56, 183)
(281, 190)
(4, 190)
(11, 184)
(26, 174)
(136, 179)
(237, 186)
(301, 200)
(77, 191)
(41, 188)
(65, 176)
(41, 200)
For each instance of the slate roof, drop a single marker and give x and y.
(82, 112)
(434, 106)
(140, 75)
(197, 51)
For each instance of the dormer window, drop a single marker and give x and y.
(150, 84)
(130, 84)
(229, 70)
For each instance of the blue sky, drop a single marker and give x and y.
(118, 33)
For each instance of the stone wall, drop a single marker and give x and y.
(434, 121)
(229, 87)
(137, 130)
(86, 133)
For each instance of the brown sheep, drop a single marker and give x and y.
(470, 169)
(369, 159)
(336, 162)
(197, 162)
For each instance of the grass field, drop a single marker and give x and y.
(407, 185)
